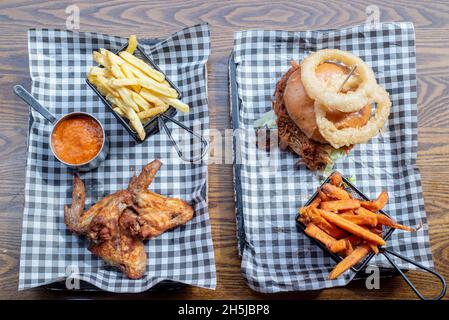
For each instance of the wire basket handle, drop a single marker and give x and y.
(387, 253)
(204, 143)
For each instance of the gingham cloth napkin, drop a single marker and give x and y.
(276, 256)
(59, 61)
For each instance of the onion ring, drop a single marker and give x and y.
(345, 102)
(349, 136)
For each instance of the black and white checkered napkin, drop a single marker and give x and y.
(275, 256)
(59, 61)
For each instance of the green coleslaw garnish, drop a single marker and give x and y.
(334, 155)
(268, 120)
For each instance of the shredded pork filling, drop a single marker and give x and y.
(315, 155)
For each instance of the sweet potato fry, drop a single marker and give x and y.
(335, 192)
(365, 212)
(377, 204)
(364, 220)
(349, 248)
(322, 195)
(374, 248)
(377, 230)
(338, 205)
(331, 243)
(354, 240)
(339, 246)
(357, 255)
(336, 179)
(388, 222)
(350, 227)
(315, 203)
(311, 215)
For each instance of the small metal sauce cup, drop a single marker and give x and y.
(86, 166)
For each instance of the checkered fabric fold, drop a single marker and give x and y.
(59, 61)
(276, 256)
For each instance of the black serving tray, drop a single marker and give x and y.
(165, 285)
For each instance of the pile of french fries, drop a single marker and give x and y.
(347, 226)
(136, 90)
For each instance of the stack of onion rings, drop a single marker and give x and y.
(327, 97)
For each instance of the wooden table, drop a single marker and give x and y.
(159, 19)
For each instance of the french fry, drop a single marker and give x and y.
(364, 212)
(377, 204)
(322, 195)
(165, 83)
(178, 104)
(95, 82)
(384, 220)
(357, 255)
(136, 123)
(339, 246)
(311, 215)
(125, 94)
(338, 205)
(349, 248)
(130, 114)
(388, 222)
(144, 115)
(137, 73)
(129, 74)
(149, 84)
(105, 83)
(119, 111)
(336, 179)
(335, 192)
(315, 203)
(116, 71)
(332, 244)
(351, 227)
(92, 78)
(361, 220)
(100, 59)
(132, 44)
(354, 240)
(374, 248)
(150, 97)
(140, 101)
(97, 71)
(113, 58)
(140, 64)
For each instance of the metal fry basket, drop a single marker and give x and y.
(154, 124)
(386, 232)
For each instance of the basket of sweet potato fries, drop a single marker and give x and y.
(351, 228)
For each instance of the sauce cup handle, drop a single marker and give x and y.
(33, 103)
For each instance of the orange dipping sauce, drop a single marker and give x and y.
(77, 139)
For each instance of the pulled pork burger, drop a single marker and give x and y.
(316, 114)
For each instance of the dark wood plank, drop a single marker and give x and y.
(160, 18)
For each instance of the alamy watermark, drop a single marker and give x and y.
(72, 21)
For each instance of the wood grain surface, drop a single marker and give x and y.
(160, 18)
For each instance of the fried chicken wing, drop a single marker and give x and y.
(118, 224)
(127, 252)
(110, 239)
(156, 213)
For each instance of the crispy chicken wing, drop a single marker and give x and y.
(102, 224)
(126, 252)
(117, 224)
(156, 213)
